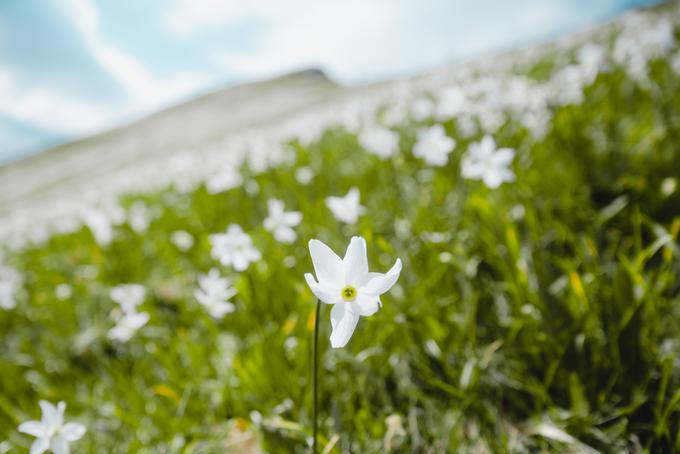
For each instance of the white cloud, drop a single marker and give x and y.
(186, 17)
(50, 110)
(66, 114)
(358, 41)
(145, 90)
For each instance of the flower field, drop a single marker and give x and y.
(535, 213)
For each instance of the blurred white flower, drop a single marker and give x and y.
(668, 186)
(281, 222)
(100, 226)
(348, 286)
(422, 108)
(182, 239)
(591, 57)
(434, 145)
(235, 248)
(346, 209)
(214, 292)
(380, 141)
(51, 432)
(304, 175)
(127, 325)
(223, 180)
(139, 217)
(10, 281)
(484, 162)
(7, 298)
(452, 102)
(63, 291)
(128, 296)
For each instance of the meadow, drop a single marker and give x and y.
(538, 308)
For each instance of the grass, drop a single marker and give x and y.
(549, 310)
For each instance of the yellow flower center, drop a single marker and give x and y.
(348, 293)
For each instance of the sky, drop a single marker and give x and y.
(70, 68)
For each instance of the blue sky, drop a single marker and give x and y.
(70, 68)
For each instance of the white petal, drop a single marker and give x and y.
(493, 178)
(240, 263)
(40, 445)
(72, 431)
(285, 234)
(59, 445)
(378, 283)
(367, 305)
(324, 292)
(35, 428)
(503, 156)
(344, 319)
(51, 417)
(327, 265)
(355, 261)
(292, 218)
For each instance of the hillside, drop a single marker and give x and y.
(519, 215)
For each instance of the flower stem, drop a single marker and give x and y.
(315, 374)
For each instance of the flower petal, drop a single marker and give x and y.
(72, 431)
(59, 445)
(367, 305)
(377, 283)
(51, 415)
(292, 218)
(324, 292)
(355, 261)
(503, 156)
(34, 428)
(40, 445)
(327, 265)
(344, 319)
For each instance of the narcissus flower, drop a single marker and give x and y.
(51, 431)
(128, 319)
(281, 222)
(214, 292)
(346, 209)
(348, 285)
(484, 162)
(128, 296)
(235, 248)
(380, 141)
(434, 145)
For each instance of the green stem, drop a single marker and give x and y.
(315, 374)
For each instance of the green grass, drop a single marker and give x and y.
(565, 311)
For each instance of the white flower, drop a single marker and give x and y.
(182, 240)
(7, 299)
(128, 325)
(214, 292)
(51, 432)
(281, 222)
(346, 209)
(380, 141)
(10, 281)
(128, 296)
(484, 162)
(223, 180)
(347, 285)
(63, 291)
(452, 102)
(139, 217)
(304, 175)
(422, 108)
(235, 248)
(100, 226)
(434, 145)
